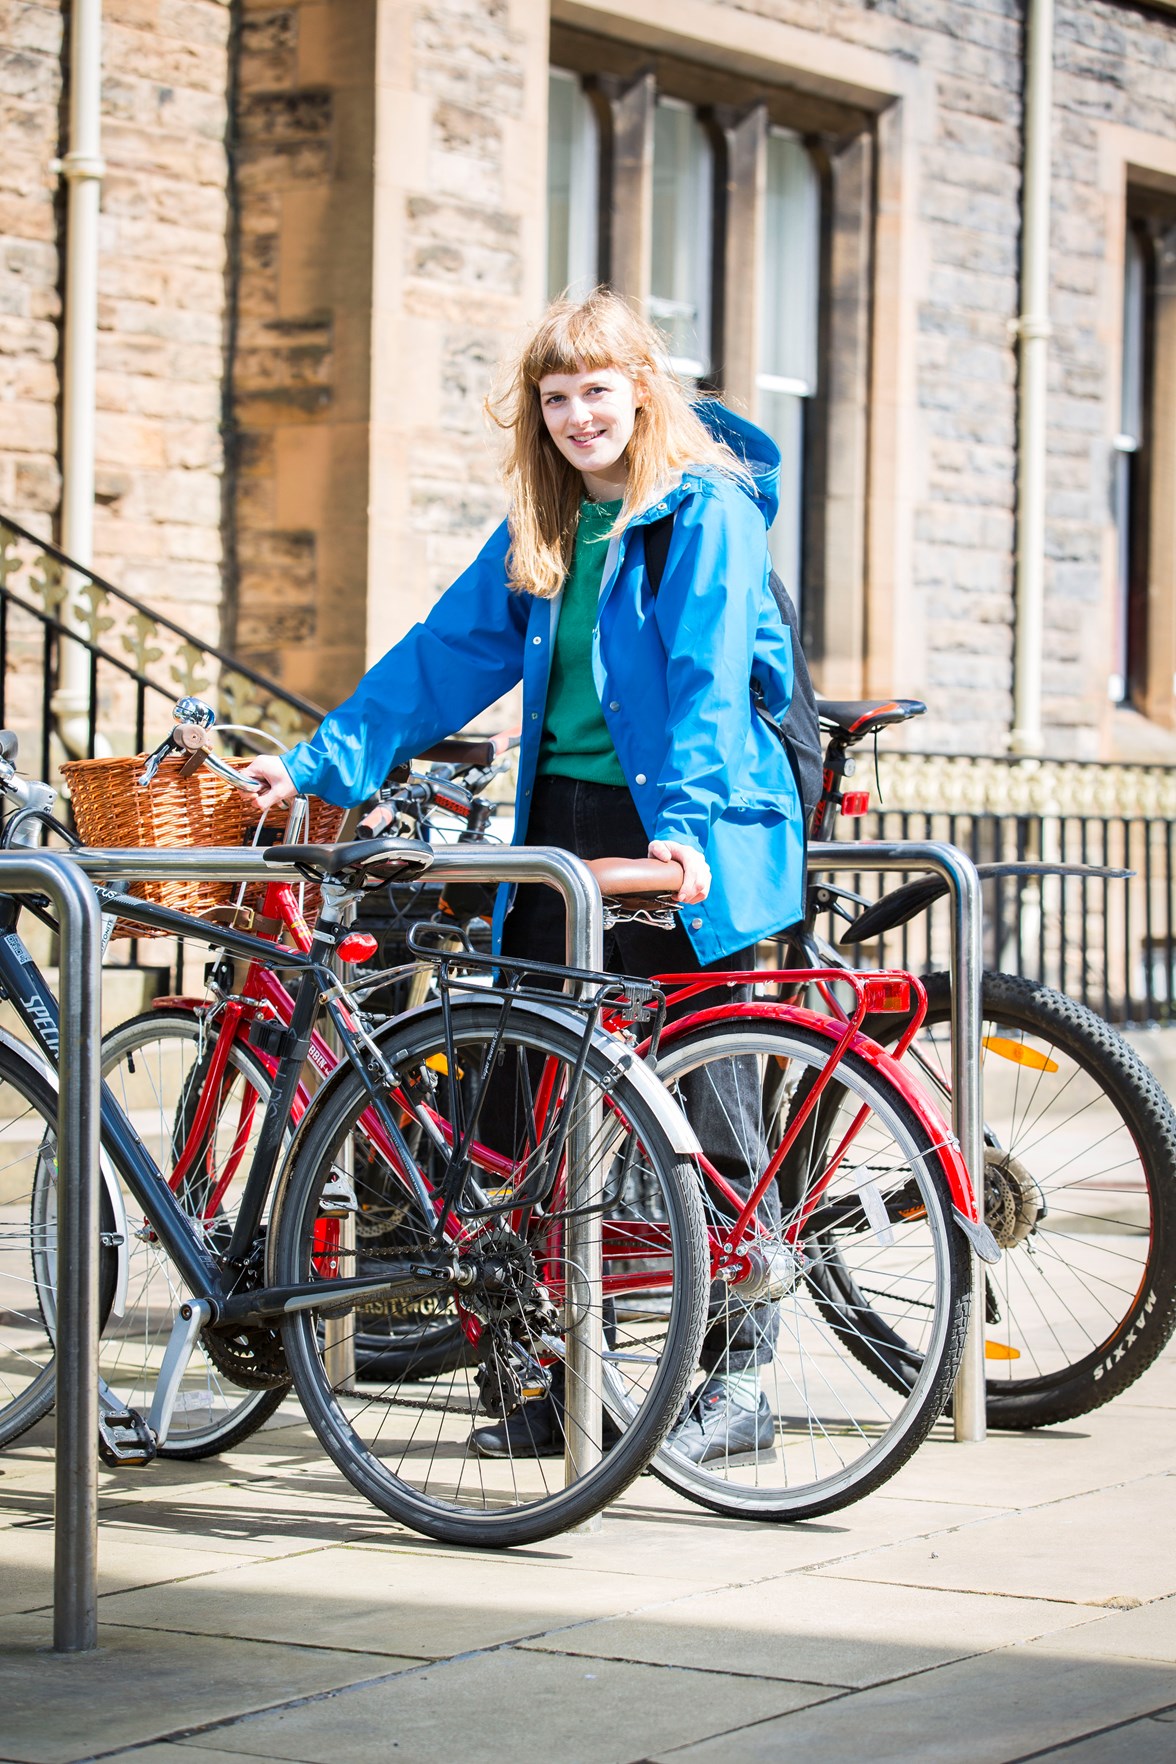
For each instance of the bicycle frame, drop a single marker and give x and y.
(883, 991)
(28, 991)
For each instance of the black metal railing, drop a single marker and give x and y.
(137, 662)
(1107, 942)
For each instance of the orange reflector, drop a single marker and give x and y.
(855, 802)
(996, 1350)
(1019, 1053)
(438, 1063)
(357, 946)
(888, 995)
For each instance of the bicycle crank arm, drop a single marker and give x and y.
(190, 1320)
(406, 1279)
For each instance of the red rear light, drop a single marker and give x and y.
(888, 995)
(325, 1254)
(357, 946)
(855, 802)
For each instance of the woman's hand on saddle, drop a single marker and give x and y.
(272, 774)
(696, 876)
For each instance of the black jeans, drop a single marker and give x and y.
(723, 1101)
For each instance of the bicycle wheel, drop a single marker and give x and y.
(155, 1065)
(809, 1420)
(1080, 1191)
(406, 1442)
(28, 1242)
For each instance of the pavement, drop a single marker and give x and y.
(1002, 1601)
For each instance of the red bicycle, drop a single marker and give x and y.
(836, 1210)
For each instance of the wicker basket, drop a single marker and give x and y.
(110, 809)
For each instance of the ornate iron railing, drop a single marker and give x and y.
(138, 662)
(1110, 943)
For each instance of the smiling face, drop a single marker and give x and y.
(590, 418)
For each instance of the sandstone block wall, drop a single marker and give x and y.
(30, 92)
(322, 226)
(162, 305)
(386, 242)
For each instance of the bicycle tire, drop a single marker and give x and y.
(835, 1436)
(28, 1242)
(416, 1465)
(152, 1065)
(1085, 1307)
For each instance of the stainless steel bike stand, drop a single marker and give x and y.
(75, 1505)
(935, 857)
(585, 949)
(583, 1390)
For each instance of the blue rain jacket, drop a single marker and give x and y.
(672, 671)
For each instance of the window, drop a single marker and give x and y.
(573, 158)
(787, 358)
(680, 292)
(1129, 671)
(726, 206)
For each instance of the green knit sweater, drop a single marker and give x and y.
(576, 742)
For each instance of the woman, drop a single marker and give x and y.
(639, 735)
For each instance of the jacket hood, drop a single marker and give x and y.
(756, 449)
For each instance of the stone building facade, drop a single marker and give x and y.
(324, 221)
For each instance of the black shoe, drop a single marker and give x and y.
(714, 1426)
(534, 1431)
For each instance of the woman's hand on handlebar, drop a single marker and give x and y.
(271, 774)
(696, 876)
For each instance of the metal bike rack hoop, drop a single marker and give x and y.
(585, 949)
(75, 1543)
(935, 857)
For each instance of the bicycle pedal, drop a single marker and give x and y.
(125, 1442)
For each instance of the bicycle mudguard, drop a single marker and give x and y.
(904, 903)
(969, 1217)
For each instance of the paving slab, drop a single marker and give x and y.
(990, 1710)
(635, 1536)
(504, 1707)
(141, 1685)
(404, 1602)
(1046, 1464)
(190, 1752)
(1149, 1741)
(1116, 1543)
(124, 1560)
(1146, 1633)
(816, 1628)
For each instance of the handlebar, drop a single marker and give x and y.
(231, 775)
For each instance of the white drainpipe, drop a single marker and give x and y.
(1033, 330)
(83, 170)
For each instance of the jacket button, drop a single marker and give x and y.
(536, 640)
(614, 704)
(640, 778)
(696, 924)
(534, 716)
